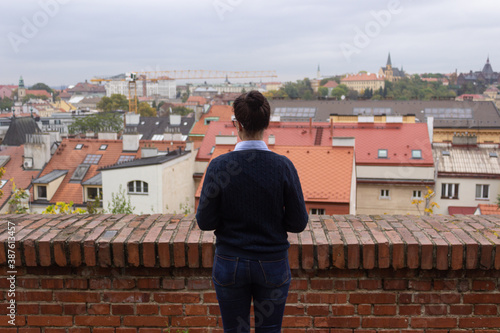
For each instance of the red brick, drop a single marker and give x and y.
(372, 298)
(193, 244)
(18, 321)
(482, 298)
(488, 322)
(322, 284)
(329, 298)
(298, 284)
(370, 284)
(395, 284)
(97, 320)
(343, 310)
(436, 310)
(98, 309)
(352, 322)
(426, 322)
(199, 284)
(483, 285)
(147, 309)
(345, 284)
(290, 310)
(410, 310)
(173, 284)
(296, 321)
(436, 298)
(123, 283)
(126, 330)
(486, 310)
(148, 283)
(318, 310)
(125, 296)
(27, 283)
(177, 297)
(171, 309)
(459, 309)
(122, 309)
(364, 309)
(45, 321)
(34, 296)
(56, 309)
(293, 251)
(385, 322)
(211, 297)
(87, 330)
(196, 309)
(27, 309)
(78, 297)
(26, 330)
(307, 250)
(51, 283)
(100, 283)
(420, 285)
(103, 330)
(384, 310)
(55, 330)
(152, 321)
(72, 309)
(75, 284)
(445, 285)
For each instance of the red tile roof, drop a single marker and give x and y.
(319, 184)
(453, 210)
(398, 139)
(222, 112)
(67, 158)
(331, 84)
(38, 93)
(363, 77)
(199, 100)
(15, 171)
(488, 209)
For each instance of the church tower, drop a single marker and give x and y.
(21, 90)
(389, 73)
(318, 74)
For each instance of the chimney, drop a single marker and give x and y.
(189, 146)
(430, 128)
(343, 142)
(107, 136)
(132, 119)
(149, 152)
(131, 141)
(36, 151)
(175, 119)
(271, 140)
(226, 139)
(89, 134)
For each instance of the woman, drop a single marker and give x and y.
(251, 197)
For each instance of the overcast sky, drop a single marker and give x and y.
(75, 40)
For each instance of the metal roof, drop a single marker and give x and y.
(469, 160)
(50, 177)
(19, 127)
(96, 180)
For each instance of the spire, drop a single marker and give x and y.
(21, 82)
(389, 63)
(488, 59)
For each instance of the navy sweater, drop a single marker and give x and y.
(251, 198)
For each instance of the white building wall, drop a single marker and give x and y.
(394, 172)
(466, 193)
(165, 88)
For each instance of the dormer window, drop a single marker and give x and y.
(103, 147)
(493, 154)
(79, 146)
(382, 153)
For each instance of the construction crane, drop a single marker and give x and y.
(153, 76)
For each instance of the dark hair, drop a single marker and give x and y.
(253, 111)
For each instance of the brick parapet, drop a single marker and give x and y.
(340, 241)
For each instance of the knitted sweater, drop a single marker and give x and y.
(252, 198)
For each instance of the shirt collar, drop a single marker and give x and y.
(251, 144)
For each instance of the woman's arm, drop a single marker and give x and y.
(296, 216)
(208, 206)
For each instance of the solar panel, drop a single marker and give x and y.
(449, 113)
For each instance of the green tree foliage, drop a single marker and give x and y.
(31, 96)
(6, 103)
(145, 110)
(63, 208)
(322, 91)
(105, 121)
(300, 89)
(415, 88)
(339, 91)
(182, 110)
(18, 198)
(113, 103)
(275, 94)
(120, 203)
(42, 86)
(333, 78)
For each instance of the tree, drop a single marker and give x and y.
(339, 91)
(120, 203)
(428, 202)
(17, 202)
(42, 86)
(105, 121)
(6, 103)
(322, 91)
(31, 96)
(63, 208)
(145, 110)
(182, 110)
(113, 103)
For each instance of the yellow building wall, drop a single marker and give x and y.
(410, 119)
(483, 135)
(369, 201)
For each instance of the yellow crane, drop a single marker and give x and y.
(132, 77)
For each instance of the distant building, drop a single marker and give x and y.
(331, 85)
(360, 82)
(158, 88)
(390, 73)
(485, 76)
(86, 89)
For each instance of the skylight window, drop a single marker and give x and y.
(92, 159)
(212, 150)
(493, 154)
(382, 153)
(103, 147)
(445, 153)
(157, 137)
(416, 153)
(125, 158)
(79, 146)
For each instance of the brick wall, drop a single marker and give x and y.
(124, 274)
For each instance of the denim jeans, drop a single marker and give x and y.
(237, 281)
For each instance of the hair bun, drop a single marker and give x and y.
(254, 99)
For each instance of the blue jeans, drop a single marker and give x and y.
(237, 281)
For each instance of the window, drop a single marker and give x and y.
(92, 159)
(103, 147)
(125, 158)
(42, 192)
(449, 191)
(79, 146)
(384, 194)
(382, 153)
(317, 211)
(2, 183)
(416, 153)
(93, 192)
(137, 186)
(445, 153)
(482, 191)
(212, 150)
(493, 154)
(417, 194)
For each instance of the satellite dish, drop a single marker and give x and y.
(343, 97)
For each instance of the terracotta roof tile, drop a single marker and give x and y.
(319, 184)
(15, 171)
(453, 210)
(331, 84)
(488, 209)
(200, 100)
(222, 112)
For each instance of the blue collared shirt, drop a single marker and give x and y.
(251, 144)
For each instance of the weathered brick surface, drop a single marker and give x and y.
(356, 274)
